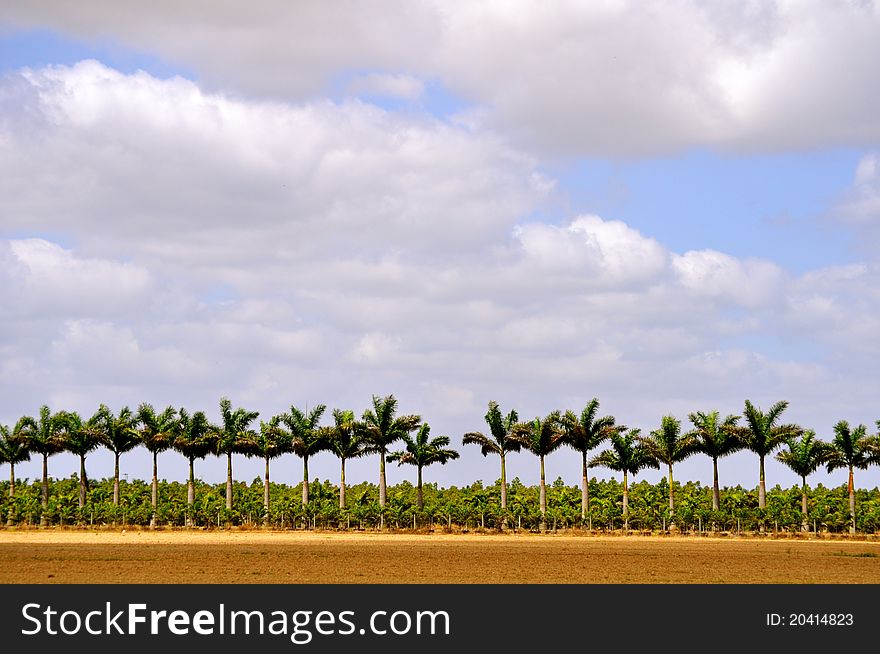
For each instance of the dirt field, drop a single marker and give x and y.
(296, 557)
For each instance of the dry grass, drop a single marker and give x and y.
(58, 556)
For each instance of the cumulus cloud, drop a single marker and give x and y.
(621, 78)
(604, 251)
(860, 205)
(711, 274)
(50, 280)
(228, 177)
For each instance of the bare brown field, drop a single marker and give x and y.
(296, 557)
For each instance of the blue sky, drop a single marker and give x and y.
(35, 48)
(758, 205)
(518, 221)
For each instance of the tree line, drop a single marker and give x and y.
(379, 428)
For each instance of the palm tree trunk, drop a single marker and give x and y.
(716, 493)
(625, 502)
(671, 500)
(116, 479)
(543, 498)
(44, 492)
(762, 490)
(852, 503)
(155, 498)
(9, 521)
(804, 524)
(305, 488)
(503, 493)
(342, 486)
(82, 481)
(266, 494)
(585, 490)
(419, 498)
(190, 494)
(382, 480)
(229, 480)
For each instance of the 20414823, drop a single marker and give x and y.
(809, 619)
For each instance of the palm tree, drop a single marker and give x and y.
(79, 438)
(584, 433)
(270, 442)
(12, 451)
(118, 434)
(541, 437)
(627, 455)
(498, 442)
(803, 456)
(422, 452)
(195, 438)
(715, 438)
(233, 434)
(345, 440)
(762, 436)
(668, 445)
(381, 429)
(850, 448)
(305, 439)
(156, 434)
(43, 436)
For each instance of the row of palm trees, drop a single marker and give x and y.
(299, 431)
(195, 437)
(631, 452)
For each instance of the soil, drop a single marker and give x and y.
(230, 557)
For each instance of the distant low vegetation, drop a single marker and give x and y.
(599, 441)
(473, 507)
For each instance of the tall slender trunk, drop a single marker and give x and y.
(155, 498)
(9, 517)
(716, 493)
(82, 481)
(625, 502)
(229, 480)
(543, 497)
(852, 503)
(44, 492)
(382, 491)
(266, 494)
(419, 498)
(671, 499)
(116, 479)
(342, 486)
(585, 489)
(805, 526)
(190, 494)
(762, 490)
(305, 488)
(503, 493)
(382, 479)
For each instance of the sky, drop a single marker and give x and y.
(671, 206)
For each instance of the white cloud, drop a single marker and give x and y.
(374, 348)
(707, 273)
(615, 78)
(309, 177)
(860, 204)
(603, 251)
(51, 280)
